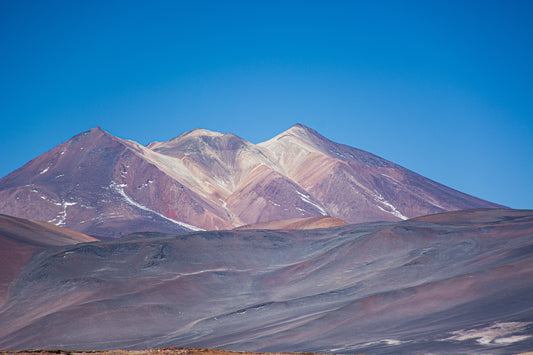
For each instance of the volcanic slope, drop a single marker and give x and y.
(20, 239)
(449, 283)
(357, 186)
(105, 186)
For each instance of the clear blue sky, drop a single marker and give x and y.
(444, 88)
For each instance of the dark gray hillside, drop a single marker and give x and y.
(390, 287)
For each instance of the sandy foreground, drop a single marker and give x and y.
(164, 351)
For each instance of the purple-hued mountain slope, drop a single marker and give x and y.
(105, 186)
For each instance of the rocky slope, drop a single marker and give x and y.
(20, 239)
(105, 186)
(450, 283)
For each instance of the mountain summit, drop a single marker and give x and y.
(105, 186)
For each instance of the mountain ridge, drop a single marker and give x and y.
(102, 185)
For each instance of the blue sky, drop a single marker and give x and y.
(444, 88)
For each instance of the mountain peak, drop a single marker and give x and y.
(216, 180)
(198, 132)
(300, 125)
(301, 131)
(94, 134)
(95, 131)
(298, 133)
(186, 136)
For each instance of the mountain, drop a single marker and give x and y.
(20, 239)
(357, 186)
(105, 186)
(450, 283)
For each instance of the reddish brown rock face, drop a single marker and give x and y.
(105, 186)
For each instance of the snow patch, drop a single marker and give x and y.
(44, 171)
(512, 339)
(339, 154)
(306, 199)
(114, 215)
(498, 333)
(62, 216)
(385, 341)
(228, 212)
(148, 182)
(119, 189)
(393, 210)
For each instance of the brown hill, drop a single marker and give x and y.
(20, 239)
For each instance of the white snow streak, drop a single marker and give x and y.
(177, 276)
(337, 153)
(305, 198)
(498, 333)
(119, 188)
(512, 339)
(62, 216)
(225, 207)
(385, 341)
(148, 182)
(44, 171)
(394, 211)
